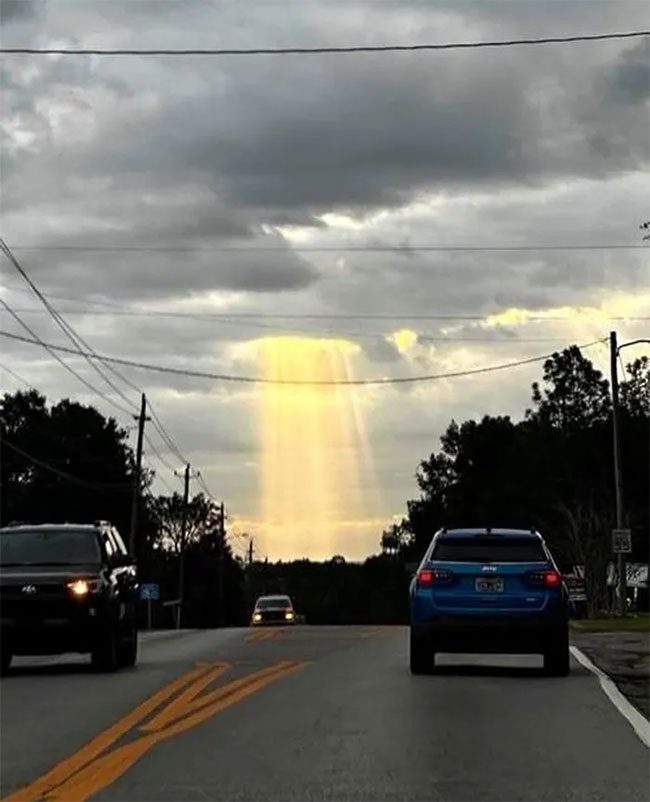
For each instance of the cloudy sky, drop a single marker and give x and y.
(260, 196)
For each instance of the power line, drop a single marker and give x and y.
(204, 486)
(122, 309)
(17, 377)
(63, 474)
(249, 324)
(285, 51)
(157, 454)
(53, 352)
(70, 333)
(290, 247)
(78, 340)
(292, 382)
(166, 437)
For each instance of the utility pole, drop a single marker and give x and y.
(137, 483)
(220, 557)
(618, 477)
(251, 547)
(614, 351)
(181, 556)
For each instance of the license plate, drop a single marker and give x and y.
(489, 585)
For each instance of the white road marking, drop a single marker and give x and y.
(639, 723)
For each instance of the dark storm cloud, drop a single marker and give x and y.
(629, 80)
(288, 139)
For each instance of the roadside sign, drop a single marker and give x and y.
(576, 587)
(621, 541)
(150, 591)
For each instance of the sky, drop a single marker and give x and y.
(274, 187)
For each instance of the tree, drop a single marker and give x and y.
(576, 394)
(65, 463)
(552, 470)
(179, 528)
(588, 543)
(635, 389)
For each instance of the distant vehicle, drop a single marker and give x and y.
(273, 610)
(488, 590)
(67, 588)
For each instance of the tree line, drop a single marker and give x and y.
(551, 470)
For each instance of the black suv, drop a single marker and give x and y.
(67, 588)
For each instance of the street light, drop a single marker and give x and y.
(614, 351)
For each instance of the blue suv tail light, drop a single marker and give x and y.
(427, 578)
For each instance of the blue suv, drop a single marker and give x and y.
(488, 590)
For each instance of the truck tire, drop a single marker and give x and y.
(104, 656)
(127, 653)
(5, 660)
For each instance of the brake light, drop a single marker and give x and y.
(552, 579)
(424, 579)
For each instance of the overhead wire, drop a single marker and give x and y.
(53, 353)
(225, 315)
(225, 377)
(205, 487)
(64, 474)
(248, 323)
(286, 51)
(69, 332)
(77, 339)
(17, 377)
(291, 247)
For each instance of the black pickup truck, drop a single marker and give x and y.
(67, 588)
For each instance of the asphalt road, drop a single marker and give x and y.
(311, 714)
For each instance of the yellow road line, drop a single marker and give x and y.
(102, 741)
(178, 705)
(264, 634)
(172, 713)
(80, 776)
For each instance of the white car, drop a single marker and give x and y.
(273, 610)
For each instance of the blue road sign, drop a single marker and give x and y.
(150, 591)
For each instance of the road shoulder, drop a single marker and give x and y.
(623, 656)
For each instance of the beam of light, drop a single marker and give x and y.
(316, 468)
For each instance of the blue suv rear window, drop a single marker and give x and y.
(485, 549)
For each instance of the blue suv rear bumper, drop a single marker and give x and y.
(529, 634)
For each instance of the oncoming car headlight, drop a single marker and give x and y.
(257, 616)
(84, 587)
(289, 616)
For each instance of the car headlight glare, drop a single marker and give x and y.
(83, 587)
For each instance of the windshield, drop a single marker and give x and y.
(276, 601)
(485, 550)
(49, 547)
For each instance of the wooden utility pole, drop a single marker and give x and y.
(181, 556)
(618, 472)
(220, 560)
(137, 478)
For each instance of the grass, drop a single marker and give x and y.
(631, 623)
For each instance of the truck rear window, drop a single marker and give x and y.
(484, 549)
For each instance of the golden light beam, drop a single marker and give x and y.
(315, 452)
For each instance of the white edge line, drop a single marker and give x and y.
(639, 723)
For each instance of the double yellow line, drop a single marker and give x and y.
(264, 634)
(176, 708)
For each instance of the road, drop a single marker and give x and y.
(311, 714)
